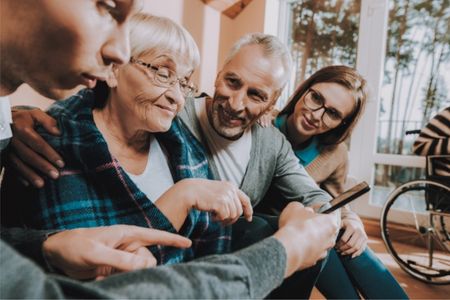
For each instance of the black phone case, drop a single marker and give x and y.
(348, 196)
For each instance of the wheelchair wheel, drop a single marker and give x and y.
(415, 229)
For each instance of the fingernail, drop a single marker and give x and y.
(56, 130)
(60, 163)
(38, 183)
(54, 174)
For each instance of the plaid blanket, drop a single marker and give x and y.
(94, 190)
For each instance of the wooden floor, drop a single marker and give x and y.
(414, 288)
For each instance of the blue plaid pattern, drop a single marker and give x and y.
(94, 190)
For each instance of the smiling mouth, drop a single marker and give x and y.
(308, 123)
(167, 108)
(229, 118)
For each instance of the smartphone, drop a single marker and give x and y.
(347, 196)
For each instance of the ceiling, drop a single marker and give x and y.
(230, 8)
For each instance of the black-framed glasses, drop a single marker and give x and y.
(314, 101)
(166, 78)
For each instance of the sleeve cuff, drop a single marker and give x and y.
(28, 243)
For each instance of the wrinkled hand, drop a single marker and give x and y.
(354, 240)
(31, 155)
(224, 199)
(88, 253)
(307, 236)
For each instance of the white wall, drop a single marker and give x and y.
(251, 19)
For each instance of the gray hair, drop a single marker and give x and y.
(272, 47)
(149, 34)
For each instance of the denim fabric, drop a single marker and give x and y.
(343, 276)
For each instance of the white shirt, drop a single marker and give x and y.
(5, 121)
(231, 157)
(156, 178)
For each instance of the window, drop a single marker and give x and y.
(416, 80)
(415, 83)
(320, 33)
(402, 48)
(388, 177)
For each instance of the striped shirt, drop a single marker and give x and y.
(434, 140)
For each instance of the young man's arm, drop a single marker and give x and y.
(28, 243)
(250, 273)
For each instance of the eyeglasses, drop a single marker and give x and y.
(167, 78)
(314, 101)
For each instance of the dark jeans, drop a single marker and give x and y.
(343, 276)
(301, 283)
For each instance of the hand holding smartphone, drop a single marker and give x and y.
(347, 196)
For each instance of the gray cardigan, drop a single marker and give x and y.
(272, 164)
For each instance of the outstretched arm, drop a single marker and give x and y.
(87, 253)
(250, 273)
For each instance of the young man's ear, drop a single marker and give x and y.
(111, 80)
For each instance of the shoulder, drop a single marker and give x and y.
(339, 151)
(189, 116)
(330, 159)
(271, 147)
(270, 133)
(441, 121)
(73, 117)
(74, 106)
(445, 113)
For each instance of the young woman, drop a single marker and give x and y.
(317, 121)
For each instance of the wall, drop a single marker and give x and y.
(213, 32)
(173, 9)
(25, 95)
(251, 19)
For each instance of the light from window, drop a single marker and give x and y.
(416, 78)
(322, 33)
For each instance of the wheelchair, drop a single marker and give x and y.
(415, 225)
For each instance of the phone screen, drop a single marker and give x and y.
(347, 196)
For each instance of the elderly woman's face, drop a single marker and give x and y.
(149, 91)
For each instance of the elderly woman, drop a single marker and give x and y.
(121, 168)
